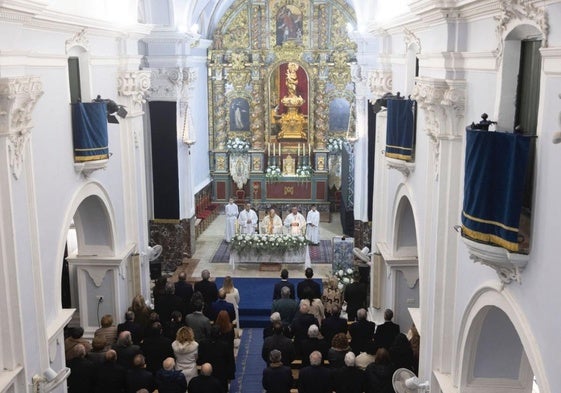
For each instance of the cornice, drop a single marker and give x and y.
(134, 85)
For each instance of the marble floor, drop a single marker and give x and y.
(209, 241)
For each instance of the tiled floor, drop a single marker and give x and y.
(210, 239)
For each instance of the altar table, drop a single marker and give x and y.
(301, 255)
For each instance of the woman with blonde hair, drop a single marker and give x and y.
(232, 296)
(141, 311)
(332, 296)
(185, 349)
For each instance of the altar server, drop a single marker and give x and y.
(271, 224)
(312, 220)
(295, 222)
(247, 220)
(231, 211)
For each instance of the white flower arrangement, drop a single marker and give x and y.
(304, 171)
(237, 145)
(273, 173)
(267, 243)
(344, 276)
(335, 145)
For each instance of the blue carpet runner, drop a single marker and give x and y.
(318, 254)
(249, 364)
(256, 299)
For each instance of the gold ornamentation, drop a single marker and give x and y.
(321, 163)
(237, 35)
(288, 166)
(256, 163)
(289, 51)
(239, 76)
(288, 190)
(221, 163)
(340, 73)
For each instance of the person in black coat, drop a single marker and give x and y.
(82, 376)
(110, 376)
(184, 290)
(355, 296)
(125, 349)
(156, 348)
(313, 343)
(209, 291)
(315, 378)
(283, 283)
(349, 379)
(277, 378)
(362, 332)
(379, 374)
(333, 324)
(138, 377)
(137, 331)
(401, 353)
(169, 380)
(280, 342)
(285, 306)
(221, 304)
(308, 288)
(205, 382)
(168, 303)
(386, 332)
(300, 324)
(215, 351)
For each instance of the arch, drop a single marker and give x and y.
(91, 210)
(491, 306)
(404, 234)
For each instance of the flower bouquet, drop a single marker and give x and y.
(237, 145)
(267, 243)
(344, 276)
(335, 145)
(304, 171)
(273, 173)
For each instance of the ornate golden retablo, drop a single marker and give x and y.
(293, 123)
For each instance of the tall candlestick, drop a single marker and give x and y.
(268, 148)
(274, 149)
(298, 149)
(310, 149)
(303, 149)
(280, 154)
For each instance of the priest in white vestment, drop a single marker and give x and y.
(312, 220)
(247, 220)
(231, 211)
(295, 222)
(271, 224)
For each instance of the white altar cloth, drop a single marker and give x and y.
(302, 255)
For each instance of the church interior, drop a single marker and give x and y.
(423, 130)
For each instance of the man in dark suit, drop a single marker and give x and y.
(205, 382)
(138, 377)
(362, 332)
(184, 290)
(278, 341)
(209, 291)
(125, 350)
(283, 283)
(222, 304)
(198, 322)
(333, 324)
(308, 288)
(168, 303)
(83, 371)
(217, 353)
(355, 296)
(285, 306)
(300, 325)
(137, 331)
(156, 348)
(277, 377)
(386, 332)
(313, 343)
(110, 376)
(315, 378)
(170, 380)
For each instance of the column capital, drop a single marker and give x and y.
(18, 96)
(134, 84)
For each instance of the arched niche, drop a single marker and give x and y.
(93, 227)
(497, 350)
(405, 237)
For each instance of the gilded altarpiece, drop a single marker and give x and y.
(280, 78)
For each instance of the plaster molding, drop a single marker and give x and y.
(134, 85)
(404, 167)
(411, 39)
(515, 12)
(79, 39)
(380, 82)
(170, 83)
(18, 96)
(509, 266)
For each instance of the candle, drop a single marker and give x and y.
(310, 149)
(303, 149)
(274, 149)
(280, 154)
(268, 148)
(298, 149)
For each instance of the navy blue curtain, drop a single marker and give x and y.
(371, 156)
(89, 131)
(400, 136)
(494, 182)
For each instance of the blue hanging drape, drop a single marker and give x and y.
(400, 135)
(495, 166)
(89, 131)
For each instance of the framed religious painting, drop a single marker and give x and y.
(239, 114)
